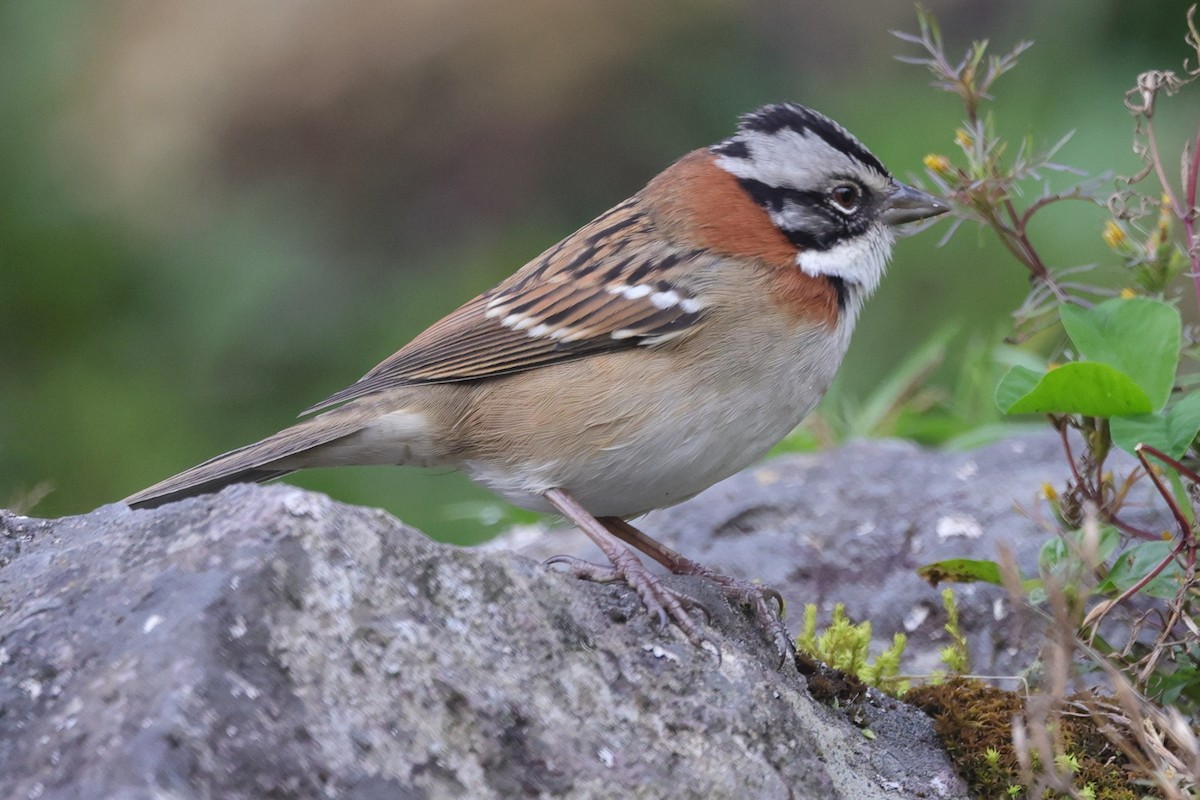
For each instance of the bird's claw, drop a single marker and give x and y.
(758, 597)
(661, 601)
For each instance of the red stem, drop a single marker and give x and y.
(1042, 202)
(1149, 576)
(1189, 218)
(1185, 527)
(1170, 462)
(1062, 431)
(1132, 530)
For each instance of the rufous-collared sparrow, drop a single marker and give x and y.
(660, 348)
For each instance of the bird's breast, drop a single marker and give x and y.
(653, 435)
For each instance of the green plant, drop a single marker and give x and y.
(1118, 384)
(955, 655)
(1120, 380)
(845, 645)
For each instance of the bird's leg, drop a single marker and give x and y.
(758, 597)
(659, 600)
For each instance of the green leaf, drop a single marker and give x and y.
(1081, 387)
(1135, 562)
(1172, 432)
(1069, 549)
(960, 570)
(1016, 384)
(1136, 336)
(1167, 688)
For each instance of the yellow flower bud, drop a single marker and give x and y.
(1050, 493)
(1113, 235)
(963, 139)
(938, 163)
(1128, 294)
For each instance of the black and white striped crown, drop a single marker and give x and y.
(771, 119)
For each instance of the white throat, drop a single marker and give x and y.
(860, 261)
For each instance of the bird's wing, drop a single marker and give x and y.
(611, 285)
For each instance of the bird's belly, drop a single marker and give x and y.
(678, 462)
(661, 469)
(666, 446)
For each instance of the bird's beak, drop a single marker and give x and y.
(908, 204)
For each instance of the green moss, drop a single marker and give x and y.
(845, 646)
(955, 656)
(974, 721)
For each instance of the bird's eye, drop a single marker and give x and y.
(846, 197)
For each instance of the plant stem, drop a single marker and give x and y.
(1156, 160)
(1042, 202)
(1149, 576)
(1125, 527)
(1189, 219)
(1184, 527)
(1191, 475)
(1061, 427)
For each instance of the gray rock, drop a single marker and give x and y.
(268, 642)
(852, 525)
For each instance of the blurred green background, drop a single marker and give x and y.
(214, 214)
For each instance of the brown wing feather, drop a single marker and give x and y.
(603, 288)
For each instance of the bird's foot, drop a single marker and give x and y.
(765, 602)
(661, 601)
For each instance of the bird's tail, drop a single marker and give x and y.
(287, 451)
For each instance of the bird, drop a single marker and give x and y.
(662, 347)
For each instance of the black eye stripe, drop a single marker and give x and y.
(823, 226)
(773, 198)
